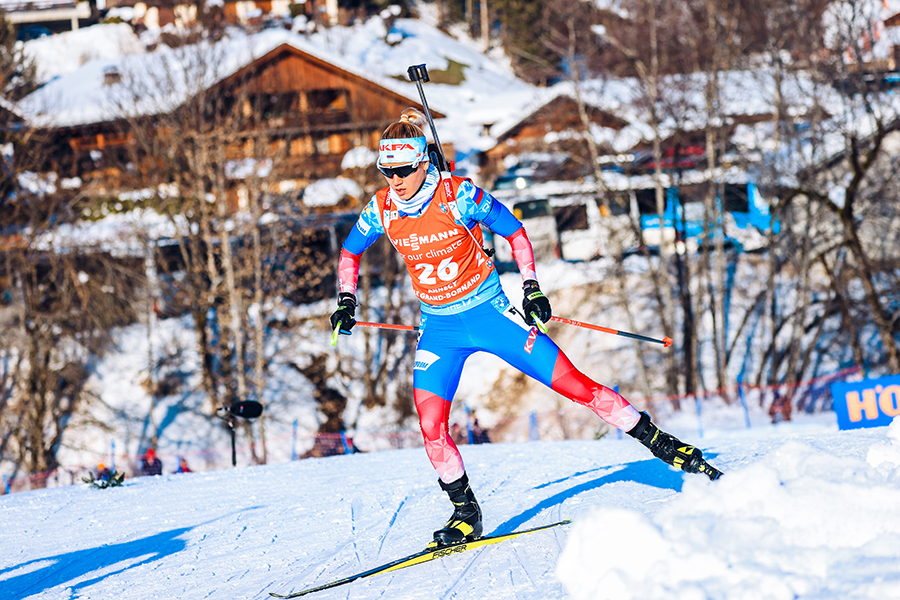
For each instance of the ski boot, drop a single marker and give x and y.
(465, 522)
(671, 450)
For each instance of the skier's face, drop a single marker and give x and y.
(406, 187)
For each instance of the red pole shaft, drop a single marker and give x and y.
(387, 326)
(666, 341)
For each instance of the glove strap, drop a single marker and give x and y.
(532, 289)
(347, 299)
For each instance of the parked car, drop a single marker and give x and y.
(32, 32)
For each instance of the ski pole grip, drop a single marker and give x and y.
(538, 323)
(335, 333)
(418, 73)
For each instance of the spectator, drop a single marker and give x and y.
(780, 410)
(103, 473)
(457, 434)
(150, 464)
(349, 446)
(479, 434)
(183, 466)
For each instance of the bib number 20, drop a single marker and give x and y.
(446, 271)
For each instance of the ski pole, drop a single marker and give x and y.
(666, 341)
(387, 326)
(335, 333)
(419, 74)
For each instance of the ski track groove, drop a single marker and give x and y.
(390, 524)
(560, 544)
(322, 567)
(451, 591)
(518, 558)
(353, 511)
(238, 536)
(572, 476)
(491, 491)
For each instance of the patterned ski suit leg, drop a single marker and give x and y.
(440, 357)
(448, 340)
(539, 357)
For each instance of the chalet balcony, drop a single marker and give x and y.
(319, 121)
(316, 166)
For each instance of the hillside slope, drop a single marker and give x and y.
(804, 511)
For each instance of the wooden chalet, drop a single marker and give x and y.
(313, 109)
(892, 25)
(558, 115)
(240, 12)
(296, 106)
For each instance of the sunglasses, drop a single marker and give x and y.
(402, 171)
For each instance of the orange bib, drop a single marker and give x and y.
(443, 260)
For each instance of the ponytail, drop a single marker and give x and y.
(410, 125)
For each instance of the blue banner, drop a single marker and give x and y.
(866, 403)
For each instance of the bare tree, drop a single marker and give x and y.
(212, 165)
(56, 322)
(847, 184)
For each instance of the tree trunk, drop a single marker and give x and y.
(485, 26)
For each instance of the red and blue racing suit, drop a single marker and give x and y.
(464, 309)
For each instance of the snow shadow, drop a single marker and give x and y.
(648, 472)
(80, 569)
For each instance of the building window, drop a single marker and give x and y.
(327, 100)
(618, 204)
(572, 217)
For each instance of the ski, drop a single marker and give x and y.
(421, 557)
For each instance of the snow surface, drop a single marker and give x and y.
(804, 511)
(64, 53)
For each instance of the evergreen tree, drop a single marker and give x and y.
(521, 24)
(114, 480)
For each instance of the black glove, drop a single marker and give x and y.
(345, 313)
(535, 302)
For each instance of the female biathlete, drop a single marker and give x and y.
(464, 310)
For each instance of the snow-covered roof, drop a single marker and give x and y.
(75, 94)
(615, 96)
(489, 92)
(81, 97)
(746, 93)
(64, 53)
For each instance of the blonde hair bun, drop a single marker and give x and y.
(414, 117)
(412, 123)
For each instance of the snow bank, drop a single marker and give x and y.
(760, 532)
